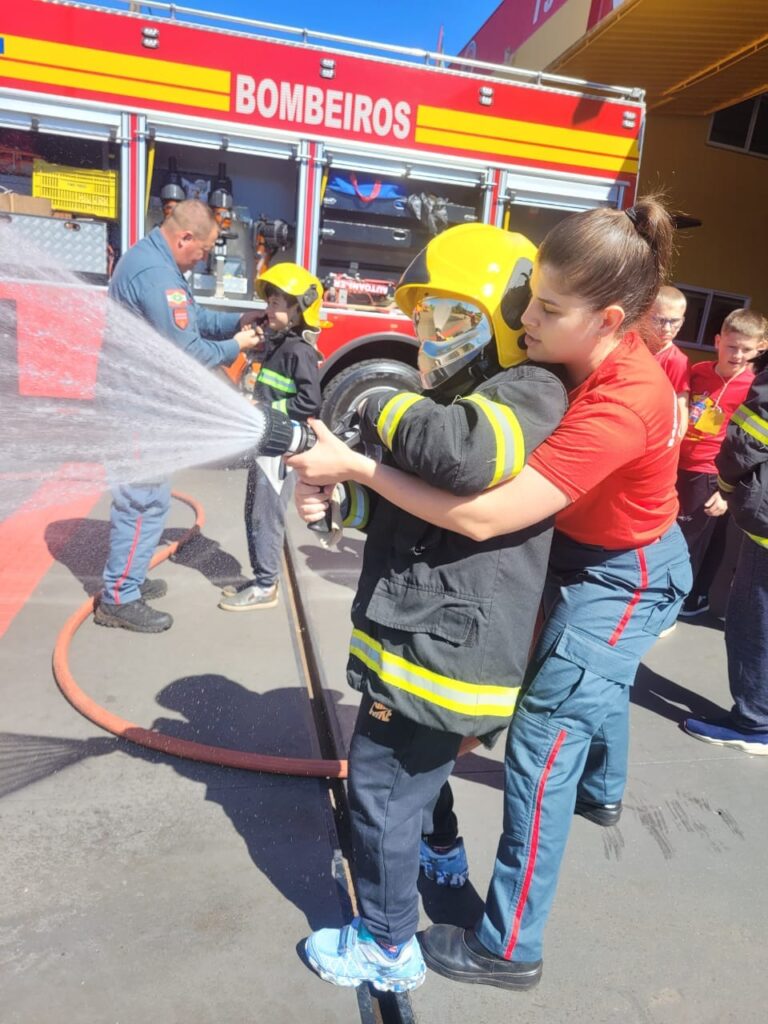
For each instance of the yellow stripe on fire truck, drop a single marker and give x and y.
(80, 67)
(485, 133)
(392, 413)
(751, 423)
(510, 444)
(464, 698)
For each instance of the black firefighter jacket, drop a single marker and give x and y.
(289, 379)
(442, 624)
(742, 462)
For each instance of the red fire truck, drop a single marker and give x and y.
(343, 155)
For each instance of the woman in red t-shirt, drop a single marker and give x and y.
(619, 566)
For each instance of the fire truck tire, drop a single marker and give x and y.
(345, 391)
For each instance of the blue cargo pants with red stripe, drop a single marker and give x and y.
(136, 523)
(569, 734)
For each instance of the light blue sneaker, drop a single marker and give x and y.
(349, 956)
(449, 868)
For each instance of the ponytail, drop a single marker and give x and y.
(613, 257)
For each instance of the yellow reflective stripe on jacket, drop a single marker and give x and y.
(359, 507)
(277, 381)
(751, 423)
(392, 413)
(464, 698)
(510, 444)
(723, 486)
(281, 404)
(762, 541)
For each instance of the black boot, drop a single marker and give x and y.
(458, 954)
(151, 590)
(136, 615)
(600, 814)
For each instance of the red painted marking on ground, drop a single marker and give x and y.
(24, 554)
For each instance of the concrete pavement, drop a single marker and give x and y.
(138, 886)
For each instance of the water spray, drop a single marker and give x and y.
(92, 396)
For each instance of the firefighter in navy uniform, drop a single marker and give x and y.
(149, 281)
(442, 624)
(288, 380)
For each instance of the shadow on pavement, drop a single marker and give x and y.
(81, 546)
(203, 554)
(26, 759)
(281, 819)
(341, 565)
(670, 700)
(442, 905)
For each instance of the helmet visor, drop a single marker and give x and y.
(451, 332)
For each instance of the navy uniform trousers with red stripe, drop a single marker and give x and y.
(136, 524)
(569, 734)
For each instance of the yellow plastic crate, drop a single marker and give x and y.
(75, 189)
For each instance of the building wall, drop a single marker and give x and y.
(510, 25)
(555, 35)
(724, 189)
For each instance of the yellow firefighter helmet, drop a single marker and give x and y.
(485, 273)
(299, 283)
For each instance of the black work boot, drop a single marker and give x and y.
(601, 814)
(458, 954)
(136, 615)
(151, 590)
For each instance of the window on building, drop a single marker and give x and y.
(743, 126)
(705, 313)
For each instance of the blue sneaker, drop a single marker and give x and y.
(349, 956)
(449, 868)
(724, 735)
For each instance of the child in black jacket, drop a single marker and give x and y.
(441, 624)
(288, 380)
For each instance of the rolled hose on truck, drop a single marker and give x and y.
(151, 738)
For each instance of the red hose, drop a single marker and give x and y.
(151, 738)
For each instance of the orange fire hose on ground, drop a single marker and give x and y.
(154, 740)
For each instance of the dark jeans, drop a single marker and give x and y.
(265, 523)
(704, 535)
(746, 638)
(396, 771)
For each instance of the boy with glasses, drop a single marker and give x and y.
(662, 326)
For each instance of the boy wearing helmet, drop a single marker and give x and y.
(438, 650)
(288, 380)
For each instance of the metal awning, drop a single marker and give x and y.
(691, 56)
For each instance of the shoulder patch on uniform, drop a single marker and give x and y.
(177, 300)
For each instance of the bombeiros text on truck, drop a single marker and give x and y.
(343, 155)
